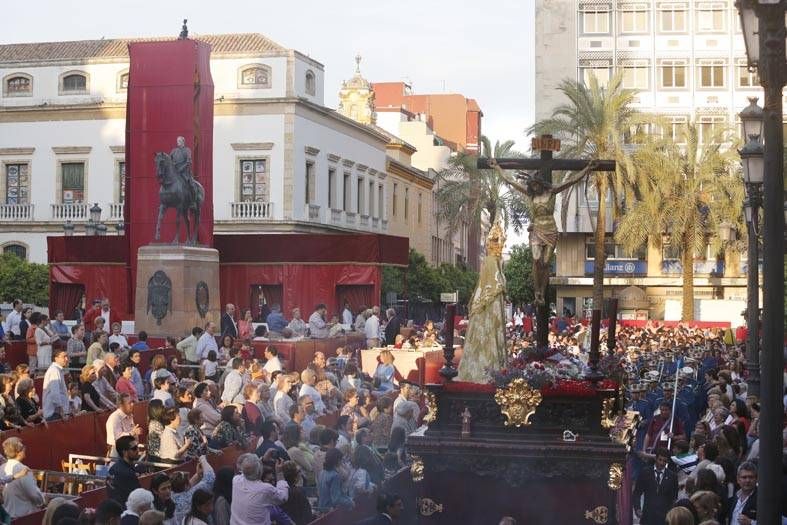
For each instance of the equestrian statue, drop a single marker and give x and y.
(179, 190)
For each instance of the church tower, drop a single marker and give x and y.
(356, 97)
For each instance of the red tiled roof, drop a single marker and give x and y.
(118, 48)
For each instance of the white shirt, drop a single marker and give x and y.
(272, 365)
(105, 315)
(372, 327)
(347, 317)
(119, 339)
(205, 344)
(739, 504)
(164, 396)
(233, 388)
(251, 500)
(118, 425)
(21, 496)
(308, 390)
(55, 392)
(209, 368)
(171, 443)
(281, 406)
(12, 321)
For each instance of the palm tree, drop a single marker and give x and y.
(686, 192)
(467, 193)
(594, 124)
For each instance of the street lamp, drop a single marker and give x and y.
(95, 213)
(751, 119)
(752, 162)
(763, 28)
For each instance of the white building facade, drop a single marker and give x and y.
(282, 161)
(687, 61)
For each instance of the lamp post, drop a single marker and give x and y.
(763, 28)
(753, 172)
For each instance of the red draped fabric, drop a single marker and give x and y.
(303, 286)
(356, 294)
(98, 279)
(65, 297)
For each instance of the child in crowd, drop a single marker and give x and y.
(74, 397)
(162, 392)
(210, 366)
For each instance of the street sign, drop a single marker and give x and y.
(450, 297)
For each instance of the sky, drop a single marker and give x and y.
(483, 50)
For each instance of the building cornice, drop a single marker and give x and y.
(17, 151)
(252, 146)
(408, 173)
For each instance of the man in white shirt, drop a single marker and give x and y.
(55, 398)
(318, 328)
(360, 319)
(272, 361)
(252, 497)
(118, 338)
(297, 325)
(207, 341)
(121, 423)
(347, 314)
(372, 330)
(12, 321)
(308, 380)
(233, 384)
(743, 504)
(405, 411)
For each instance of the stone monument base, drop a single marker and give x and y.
(177, 289)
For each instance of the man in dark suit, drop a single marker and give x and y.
(389, 507)
(393, 327)
(659, 485)
(228, 326)
(742, 507)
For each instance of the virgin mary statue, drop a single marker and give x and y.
(485, 344)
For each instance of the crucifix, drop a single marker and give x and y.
(541, 194)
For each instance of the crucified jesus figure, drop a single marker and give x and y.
(540, 195)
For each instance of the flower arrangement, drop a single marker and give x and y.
(614, 366)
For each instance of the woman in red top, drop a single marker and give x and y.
(124, 384)
(244, 326)
(251, 412)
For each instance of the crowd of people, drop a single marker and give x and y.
(313, 440)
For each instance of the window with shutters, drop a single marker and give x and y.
(254, 180)
(73, 182)
(17, 183)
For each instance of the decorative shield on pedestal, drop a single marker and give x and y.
(202, 298)
(159, 296)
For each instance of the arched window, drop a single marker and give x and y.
(18, 85)
(73, 82)
(19, 250)
(311, 83)
(255, 76)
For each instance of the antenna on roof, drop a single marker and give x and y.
(184, 31)
(358, 63)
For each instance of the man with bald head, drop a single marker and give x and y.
(252, 498)
(228, 326)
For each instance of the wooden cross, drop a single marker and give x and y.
(545, 165)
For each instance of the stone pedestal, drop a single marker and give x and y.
(177, 289)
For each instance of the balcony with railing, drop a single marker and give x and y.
(70, 212)
(115, 211)
(16, 212)
(313, 212)
(251, 211)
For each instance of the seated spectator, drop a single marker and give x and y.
(299, 452)
(161, 392)
(385, 373)
(370, 459)
(251, 411)
(100, 382)
(360, 481)
(276, 321)
(122, 478)
(92, 398)
(309, 380)
(297, 326)
(229, 432)
(27, 403)
(98, 348)
(135, 358)
(11, 414)
(137, 503)
(203, 403)
(173, 447)
(118, 338)
(272, 362)
(353, 408)
(20, 495)
(282, 400)
(329, 484)
(142, 342)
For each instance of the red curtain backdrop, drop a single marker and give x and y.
(99, 281)
(357, 295)
(303, 285)
(66, 298)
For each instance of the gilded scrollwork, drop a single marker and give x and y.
(518, 402)
(599, 515)
(417, 469)
(431, 404)
(615, 476)
(607, 413)
(427, 507)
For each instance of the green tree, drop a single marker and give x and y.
(594, 124)
(466, 193)
(518, 271)
(424, 282)
(20, 279)
(458, 278)
(686, 192)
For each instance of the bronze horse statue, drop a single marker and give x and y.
(176, 193)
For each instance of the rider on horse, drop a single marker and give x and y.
(181, 161)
